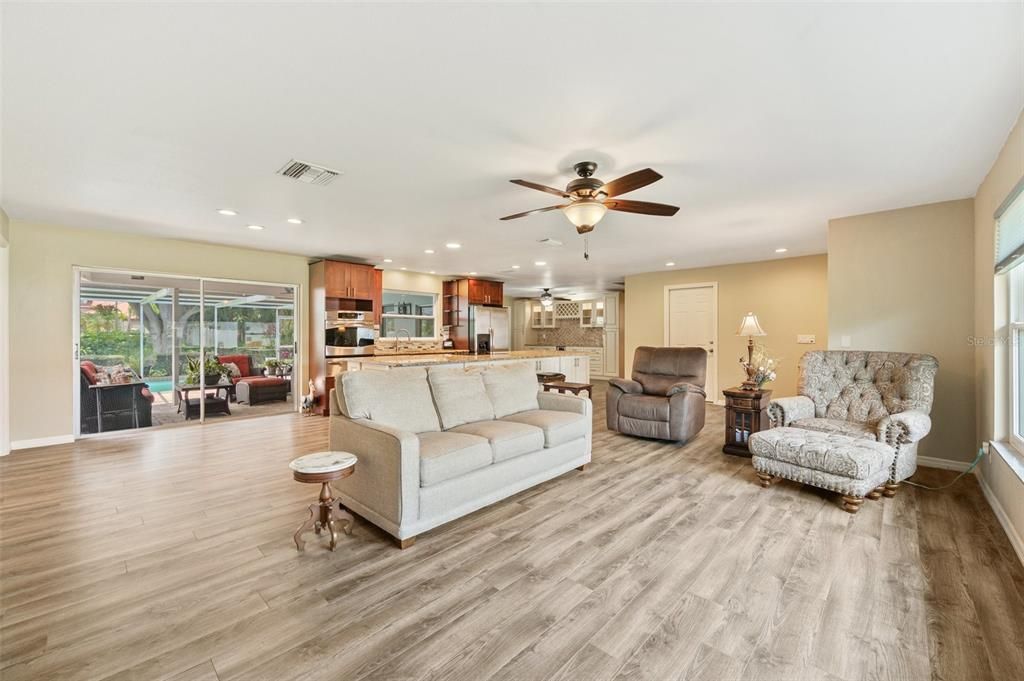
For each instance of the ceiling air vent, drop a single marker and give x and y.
(308, 172)
(550, 242)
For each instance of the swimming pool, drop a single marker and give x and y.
(160, 385)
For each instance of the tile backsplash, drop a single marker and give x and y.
(569, 332)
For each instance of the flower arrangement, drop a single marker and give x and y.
(761, 367)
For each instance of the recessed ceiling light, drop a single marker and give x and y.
(255, 228)
(402, 268)
(452, 244)
(388, 260)
(781, 250)
(472, 274)
(429, 251)
(515, 267)
(227, 211)
(540, 263)
(294, 221)
(670, 264)
(433, 272)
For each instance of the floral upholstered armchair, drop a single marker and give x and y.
(881, 396)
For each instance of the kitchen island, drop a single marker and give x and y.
(575, 366)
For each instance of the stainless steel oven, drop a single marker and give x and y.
(349, 333)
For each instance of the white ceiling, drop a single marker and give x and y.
(766, 121)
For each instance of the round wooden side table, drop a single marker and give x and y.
(323, 468)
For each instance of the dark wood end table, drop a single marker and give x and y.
(746, 413)
(567, 387)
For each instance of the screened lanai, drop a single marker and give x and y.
(153, 328)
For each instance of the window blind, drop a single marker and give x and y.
(1010, 230)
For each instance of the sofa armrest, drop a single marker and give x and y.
(905, 427)
(627, 386)
(684, 387)
(387, 476)
(784, 410)
(560, 402)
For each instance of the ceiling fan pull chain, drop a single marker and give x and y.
(586, 248)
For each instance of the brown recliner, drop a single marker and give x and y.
(665, 399)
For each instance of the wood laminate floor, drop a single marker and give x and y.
(168, 555)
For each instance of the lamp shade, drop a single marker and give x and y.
(750, 326)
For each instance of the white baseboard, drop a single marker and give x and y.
(42, 442)
(946, 464)
(1015, 539)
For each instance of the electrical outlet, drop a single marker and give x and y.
(805, 338)
(844, 341)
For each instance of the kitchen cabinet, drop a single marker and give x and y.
(592, 313)
(611, 352)
(611, 310)
(575, 368)
(349, 280)
(542, 317)
(483, 292)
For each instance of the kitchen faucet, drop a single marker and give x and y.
(398, 332)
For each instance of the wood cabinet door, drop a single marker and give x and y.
(495, 293)
(361, 282)
(335, 279)
(477, 292)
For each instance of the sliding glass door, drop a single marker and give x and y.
(156, 350)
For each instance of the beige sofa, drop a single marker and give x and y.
(437, 444)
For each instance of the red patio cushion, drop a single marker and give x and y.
(89, 369)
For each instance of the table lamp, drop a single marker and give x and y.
(750, 327)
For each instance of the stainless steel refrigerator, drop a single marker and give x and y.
(496, 321)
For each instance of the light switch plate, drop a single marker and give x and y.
(844, 341)
(805, 338)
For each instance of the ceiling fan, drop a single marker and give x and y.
(548, 300)
(590, 198)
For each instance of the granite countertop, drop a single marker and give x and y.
(556, 345)
(380, 351)
(456, 358)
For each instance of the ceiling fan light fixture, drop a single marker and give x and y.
(585, 213)
(546, 299)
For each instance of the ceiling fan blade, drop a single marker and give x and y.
(642, 207)
(628, 183)
(531, 212)
(540, 187)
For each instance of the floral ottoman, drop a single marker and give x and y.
(854, 467)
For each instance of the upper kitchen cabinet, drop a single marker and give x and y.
(483, 292)
(350, 280)
(542, 317)
(592, 313)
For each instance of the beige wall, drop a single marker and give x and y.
(416, 282)
(1004, 487)
(5, 401)
(789, 296)
(901, 281)
(42, 257)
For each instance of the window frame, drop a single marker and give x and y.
(1015, 332)
(432, 317)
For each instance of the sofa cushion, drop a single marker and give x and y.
(511, 387)
(459, 395)
(647, 407)
(558, 426)
(837, 426)
(507, 439)
(856, 458)
(448, 455)
(399, 398)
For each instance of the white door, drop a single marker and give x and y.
(691, 321)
